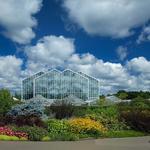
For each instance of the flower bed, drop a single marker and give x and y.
(86, 126)
(9, 132)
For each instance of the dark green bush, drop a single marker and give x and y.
(6, 101)
(137, 119)
(61, 109)
(34, 133)
(29, 120)
(136, 114)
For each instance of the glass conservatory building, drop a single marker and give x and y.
(55, 84)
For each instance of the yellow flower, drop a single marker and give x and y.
(82, 125)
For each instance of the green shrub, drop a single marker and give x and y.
(8, 138)
(139, 102)
(46, 138)
(123, 133)
(108, 116)
(136, 114)
(137, 119)
(6, 101)
(60, 130)
(80, 111)
(22, 120)
(34, 133)
(67, 136)
(57, 126)
(23, 139)
(61, 109)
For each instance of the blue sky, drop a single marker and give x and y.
(106, 39)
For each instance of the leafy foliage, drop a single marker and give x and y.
(9, 138)
(30, 120)
(137, 119)
(34, 133)
(67, 136)
(86, 126)
(6, 101)
(123, 133)
(108, 116)
(60, 130)
(46, 138)
(140, 102)
(136, 114)
(28, 108)
(8, 131)
(132, 94)
(61, 109)
(57, 126)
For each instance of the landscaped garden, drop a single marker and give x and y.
(33, 121)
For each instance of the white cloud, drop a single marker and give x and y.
(50, 51)
(122, 52)
(139, 65)
(144, 36)
(134, 75)
(114, 18)
(10, 72)
(16, 17)
(53, 51)
(113, 76)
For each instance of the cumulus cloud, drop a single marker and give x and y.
(50, 51)
(10, 72)
(113, 18)
(139, 65)
(16, 17)
(53, 51)
(112, 76)
(134, 75)
(145, 35)
(122, 52)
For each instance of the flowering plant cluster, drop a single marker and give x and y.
(86, 125)
(10, 132)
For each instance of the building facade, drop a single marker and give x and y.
(55, 84)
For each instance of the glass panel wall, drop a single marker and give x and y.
(48, 85)
(27, 86)
(58, 85)
(74, 84)
(93, 86)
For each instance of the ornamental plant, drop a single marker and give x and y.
(86, 126)
(57, 126)
(6, 101)
(34, 133)
(28, 108)
(9, 132)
